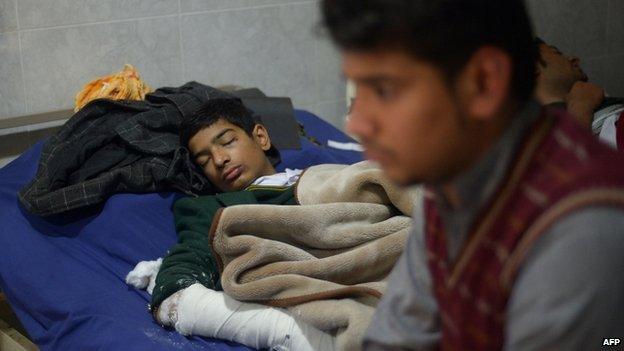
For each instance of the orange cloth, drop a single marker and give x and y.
(123, 85)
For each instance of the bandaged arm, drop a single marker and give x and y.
(197, 310)
(190, 261)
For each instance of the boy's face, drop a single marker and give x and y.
(229, 157)
(408, 118)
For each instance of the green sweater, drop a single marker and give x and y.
(190, 261)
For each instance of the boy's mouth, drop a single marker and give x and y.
(232, 173)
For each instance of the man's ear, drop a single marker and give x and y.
(261, 136)
(484, 85)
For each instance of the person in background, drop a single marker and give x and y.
(518, 242)
(562, 83)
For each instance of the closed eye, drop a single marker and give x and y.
(229, 142)
(202, 163)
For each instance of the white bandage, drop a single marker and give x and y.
(205, 312)
(144, 275)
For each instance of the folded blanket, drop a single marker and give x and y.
(326, 260)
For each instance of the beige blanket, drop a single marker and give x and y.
(327, 260)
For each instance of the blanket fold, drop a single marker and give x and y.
(326, 260)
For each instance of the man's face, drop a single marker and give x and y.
(406, 116)
(229, 157)
(559, 70)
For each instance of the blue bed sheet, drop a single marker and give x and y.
(64, 275)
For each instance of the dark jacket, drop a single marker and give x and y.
(191, 261)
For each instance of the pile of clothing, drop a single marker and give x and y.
(113, 146)
(110, 146)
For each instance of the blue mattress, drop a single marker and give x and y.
(64, 275)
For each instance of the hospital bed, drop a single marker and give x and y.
(64, 275)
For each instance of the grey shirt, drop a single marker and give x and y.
(568, 295)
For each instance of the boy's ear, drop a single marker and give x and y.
(261, 136)
(485, 83)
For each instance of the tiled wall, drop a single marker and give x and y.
(50, 49)
(592, 30)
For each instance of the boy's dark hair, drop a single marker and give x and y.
(229, 109)
(442, 32)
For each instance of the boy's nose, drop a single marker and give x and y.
(221, 159)
(360, 121)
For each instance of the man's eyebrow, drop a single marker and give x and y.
(377, 79)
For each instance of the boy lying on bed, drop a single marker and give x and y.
(232, 150)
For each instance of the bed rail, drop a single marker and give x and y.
(35, 121)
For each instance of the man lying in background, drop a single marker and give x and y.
(561, 82)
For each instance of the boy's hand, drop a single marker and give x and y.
(167, 312)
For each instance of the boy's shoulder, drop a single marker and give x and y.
(254, 194)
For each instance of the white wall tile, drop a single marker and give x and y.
(607, 72)
(11, 84)
(211, 5)
(578, 27)
(615, 27)
(271, 44)
(58, 62)
(331, 84)
(8, 16)
(271, 48)
(45, 13)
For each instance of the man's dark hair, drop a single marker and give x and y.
(230, 109)
(537, 41)
(444, 33)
